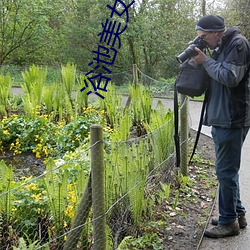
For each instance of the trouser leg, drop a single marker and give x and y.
(228, 144)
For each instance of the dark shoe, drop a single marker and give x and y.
(241, 219)
(221, 231)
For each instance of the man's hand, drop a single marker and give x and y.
(200, 58)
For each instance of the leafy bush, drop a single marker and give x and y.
(43, 137)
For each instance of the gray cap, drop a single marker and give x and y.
(210, 23)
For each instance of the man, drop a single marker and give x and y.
(228, 112)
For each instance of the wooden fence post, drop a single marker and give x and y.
(98, 194)
(135, 74)
(184, 135)
(135, 78)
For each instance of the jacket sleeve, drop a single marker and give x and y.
(234, 66)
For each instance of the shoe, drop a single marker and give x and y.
(241, 219)
(221, 231)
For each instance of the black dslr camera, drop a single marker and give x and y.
(190, 51)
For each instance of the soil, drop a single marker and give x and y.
(25, 164)
(187, 222)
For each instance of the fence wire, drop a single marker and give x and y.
(44, 210)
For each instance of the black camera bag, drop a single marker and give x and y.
(192, 79)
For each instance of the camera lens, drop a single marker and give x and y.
(187, 53)
(190, 51)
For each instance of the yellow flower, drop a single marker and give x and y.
(69, 211)
(38, 155)
(73, 199)
(31, 187)
(37, 196)
(45, 151)
(6, 132)
(14, 209)
(11, 146)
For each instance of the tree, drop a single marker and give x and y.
(21, 21)
(237, 12)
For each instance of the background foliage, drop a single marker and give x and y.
(49, 32)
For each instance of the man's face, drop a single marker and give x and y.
(211, 38)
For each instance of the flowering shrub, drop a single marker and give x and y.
(46, 138)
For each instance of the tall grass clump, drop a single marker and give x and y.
(141, 106)
(112, 105)
(68, 74)
(161, 130)
(33, 85)
(5, 90)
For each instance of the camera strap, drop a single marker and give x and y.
(199, 127)
(176, 126)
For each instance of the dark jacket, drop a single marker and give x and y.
(229, 90)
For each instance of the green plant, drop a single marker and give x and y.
(6, 196)
(56, 187)
(164, 191)
(48, 98)
(68, 74)
(147, 241)
(126, 173)
(5, 89)
(184, 181)
(176, 199)
(44, 137)
(33, 86)
(141, 104)
(161, 128)
(30, 208)
(111, 104)
(23, 246)
(82, 99)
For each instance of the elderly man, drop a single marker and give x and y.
(228, 112)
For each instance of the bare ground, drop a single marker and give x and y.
(187, 222)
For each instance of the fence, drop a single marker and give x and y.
(95, 202)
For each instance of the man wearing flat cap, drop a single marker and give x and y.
(228, 112)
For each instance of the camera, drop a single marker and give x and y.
(190, 51)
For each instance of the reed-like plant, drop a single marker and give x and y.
(58, 102)
(122, 129)
(141, 105)
(161, 132)
(137, 179)
(68, 74)
(33, 86)
(112, 105)
(126, 172)
(82, 99)
(6, 196)
(5, 90)
(48, 97)
(56, 185)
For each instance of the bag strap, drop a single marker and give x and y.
(199, 127)
(176, 126)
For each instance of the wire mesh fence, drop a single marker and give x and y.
(55, 210)
(42, 210)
